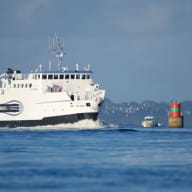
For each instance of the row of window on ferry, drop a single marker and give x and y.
(63, 76)
(19, 85)
(22, 85)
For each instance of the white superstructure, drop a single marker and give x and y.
(48, 97)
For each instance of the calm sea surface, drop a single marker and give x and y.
(99, 160)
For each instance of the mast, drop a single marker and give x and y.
(56, 48)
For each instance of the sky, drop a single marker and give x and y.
(138, 49)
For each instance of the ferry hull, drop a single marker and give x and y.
(50, 120)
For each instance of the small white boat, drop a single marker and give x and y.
(149, 121)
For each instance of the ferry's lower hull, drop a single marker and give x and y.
(50, 120)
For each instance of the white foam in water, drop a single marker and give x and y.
(83, 124)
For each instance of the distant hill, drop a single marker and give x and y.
(133, 113)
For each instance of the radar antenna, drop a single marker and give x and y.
(56, 48)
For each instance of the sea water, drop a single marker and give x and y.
(95, 159)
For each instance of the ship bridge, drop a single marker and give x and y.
(56, 75)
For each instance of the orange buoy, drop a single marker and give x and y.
(175, 119)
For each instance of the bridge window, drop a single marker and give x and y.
(56, 76)
(83, 76)
(77, 76)
(88, 76)
(67, 76)
(72, 76)
(61, 76)
(50, 76)
(44, 76)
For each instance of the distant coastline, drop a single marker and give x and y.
(132, 113)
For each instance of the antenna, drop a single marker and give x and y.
(77, 67)
(49, 65)
(57, 49)
(40, 67)
(49, 43)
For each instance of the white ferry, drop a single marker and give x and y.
(149, 121)
(49, 97)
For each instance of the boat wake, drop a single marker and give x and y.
(83, 124)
